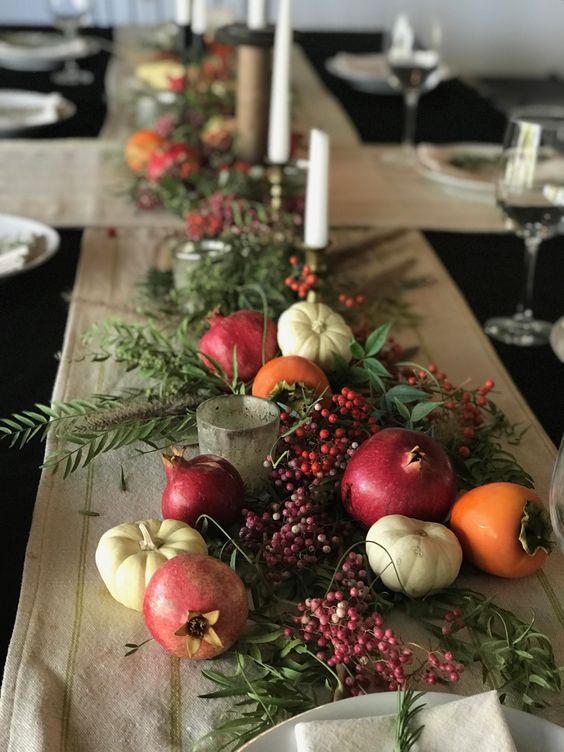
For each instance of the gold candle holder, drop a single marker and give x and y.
(276, 179)
(315, 259)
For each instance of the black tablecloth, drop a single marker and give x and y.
(486, 267)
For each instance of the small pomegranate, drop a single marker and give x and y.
(398, 471)
(203, 485)
(242, 331)
(195, 606)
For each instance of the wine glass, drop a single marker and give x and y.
(530, 193)
(556, 497)
(68, 16)
(413, 54)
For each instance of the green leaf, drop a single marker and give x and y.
(377, 339)
(405, 393)
(357, 351)
(423, 409)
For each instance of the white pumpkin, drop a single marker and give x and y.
(128, 555)
(314, 331)
(411, 556)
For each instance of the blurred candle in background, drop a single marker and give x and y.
(199, 17)
(316, 232)
(182, 12)
(256, 14)
(279, 122)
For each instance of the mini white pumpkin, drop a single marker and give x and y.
(314, 331)
(128, 555)
(411, 556)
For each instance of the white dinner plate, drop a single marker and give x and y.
(369, 72)
(530, 733)
(445, 164)
(21, 228)
(41, 50)
(22, 111)
(557, 338)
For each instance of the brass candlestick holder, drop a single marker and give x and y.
(316, 260)
(276, 180)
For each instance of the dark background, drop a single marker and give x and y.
(486, 267)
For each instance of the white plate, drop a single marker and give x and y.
(369, 72)
(20, 228)
(22, 111)
(435, 161)
(530, 733)
(41, 51)
(557, 339)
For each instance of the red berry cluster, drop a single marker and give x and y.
(350, 301)
(301, 279)
(322, 446)
(297, 532)
(466, 407)
(346, 632)
(293, 534)
(216, 215)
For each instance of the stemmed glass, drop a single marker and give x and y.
(68, 15)
(556, 497)
(530, 193)
(413, 54)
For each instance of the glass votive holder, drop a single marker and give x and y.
(241, 429)
(188, 256)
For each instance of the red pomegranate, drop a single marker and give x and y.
(242, 331)
(195, 606)
(205, 484)
(398, 471)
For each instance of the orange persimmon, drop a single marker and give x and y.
(503, 528)
(280, 374)
(140, 147)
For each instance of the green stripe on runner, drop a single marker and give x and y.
(78, 603)
(175, 706)
(551, 595)
(79, 598)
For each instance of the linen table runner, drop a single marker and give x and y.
(68, 686)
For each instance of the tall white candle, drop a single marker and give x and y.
(279, 121)
(256, 14)
(182, 12)
(317, 190)
(199, 17)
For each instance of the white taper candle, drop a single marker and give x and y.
(317, 190)
(256, 14)
(199, 17)
(279, 121)
(182, 12)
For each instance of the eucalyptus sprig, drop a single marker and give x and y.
(516, 658)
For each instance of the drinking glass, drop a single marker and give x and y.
(67, 17)
(530, 193)
(556, 497)
(413, 54)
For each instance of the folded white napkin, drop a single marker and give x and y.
(26, 111)
(14, 259)
(467, 725)
(66, 48)
(366, 65)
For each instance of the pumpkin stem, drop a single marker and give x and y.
(535, 529)
(147, 544)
